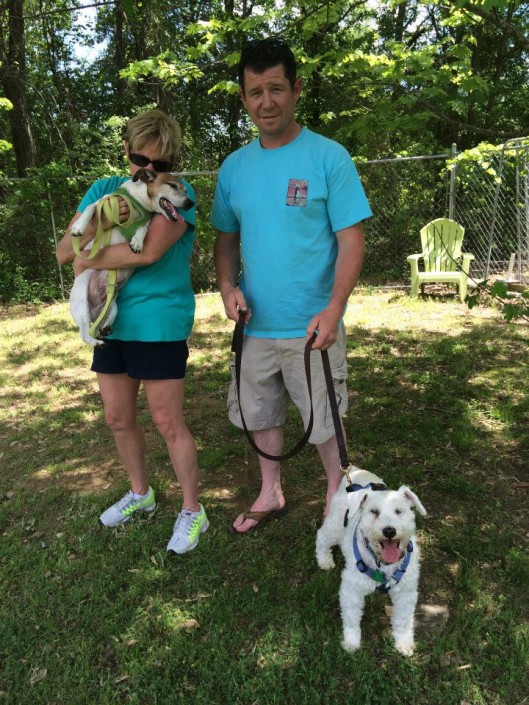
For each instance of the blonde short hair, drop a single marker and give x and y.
(154, 126)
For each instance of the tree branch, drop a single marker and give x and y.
(495, 19)
(472, 128)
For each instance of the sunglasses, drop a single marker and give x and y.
(142, 161)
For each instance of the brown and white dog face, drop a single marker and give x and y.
(164, 194)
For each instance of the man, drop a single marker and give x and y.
(292, 205)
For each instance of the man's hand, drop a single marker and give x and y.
(326, 324)
(234, 302)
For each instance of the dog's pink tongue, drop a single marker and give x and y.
(390, 551)
(171, 211)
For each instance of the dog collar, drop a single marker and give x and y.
(378, 575)
(375, 486)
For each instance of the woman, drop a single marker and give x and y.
(148, 343)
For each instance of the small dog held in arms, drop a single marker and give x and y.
(375, 528)
(94, 291)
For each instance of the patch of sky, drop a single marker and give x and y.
(84, 49)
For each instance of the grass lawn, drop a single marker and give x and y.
(438, 399)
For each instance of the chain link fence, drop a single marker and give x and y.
(489, 197)
(492, 203)
(404, 194)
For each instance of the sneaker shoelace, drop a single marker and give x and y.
(126, 500)
(185, 521)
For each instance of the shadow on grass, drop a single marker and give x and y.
(252, 619)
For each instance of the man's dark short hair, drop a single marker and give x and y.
(262, 54)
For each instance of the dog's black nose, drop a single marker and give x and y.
(389, 532)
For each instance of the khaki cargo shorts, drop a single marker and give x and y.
(273, 371)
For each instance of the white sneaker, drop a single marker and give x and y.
(122, 510)
(187, 529)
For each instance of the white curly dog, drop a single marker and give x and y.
(375, 528)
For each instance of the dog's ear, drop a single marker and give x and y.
(144, 175)
(413, 499)
(356, 500)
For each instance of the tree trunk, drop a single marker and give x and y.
(13, 79)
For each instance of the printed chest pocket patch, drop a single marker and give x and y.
(297, 192)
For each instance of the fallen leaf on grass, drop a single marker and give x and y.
(445, 660)
(198, 596)
(189, 624)
(131, 642)
(37, 674)
(120, 679)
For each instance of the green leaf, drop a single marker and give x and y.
(225, 86)
(499, 289)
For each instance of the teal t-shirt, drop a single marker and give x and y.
(287, 204)
(157, 303)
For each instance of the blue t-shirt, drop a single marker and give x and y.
(157, 303)
(287, 204)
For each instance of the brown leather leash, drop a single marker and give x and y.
(236, 347)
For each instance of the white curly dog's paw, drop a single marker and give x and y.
(405, 646)
(350, 646)
(326, 561)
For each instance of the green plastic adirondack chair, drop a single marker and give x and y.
(444, 262)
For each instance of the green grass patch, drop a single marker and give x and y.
(438, 400)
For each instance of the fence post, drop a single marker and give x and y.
(453, 186)
(54, 234)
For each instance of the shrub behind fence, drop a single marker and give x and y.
(405, 193)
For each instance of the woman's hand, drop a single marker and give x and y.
(81, 262)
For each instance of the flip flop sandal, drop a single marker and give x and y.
(260, 518)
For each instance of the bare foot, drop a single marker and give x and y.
(245, 522)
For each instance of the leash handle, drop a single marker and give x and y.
(236, 347)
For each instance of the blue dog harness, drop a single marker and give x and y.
(378, 575)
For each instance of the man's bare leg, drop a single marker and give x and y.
(271, 495)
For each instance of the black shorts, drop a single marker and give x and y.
(141, 360)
